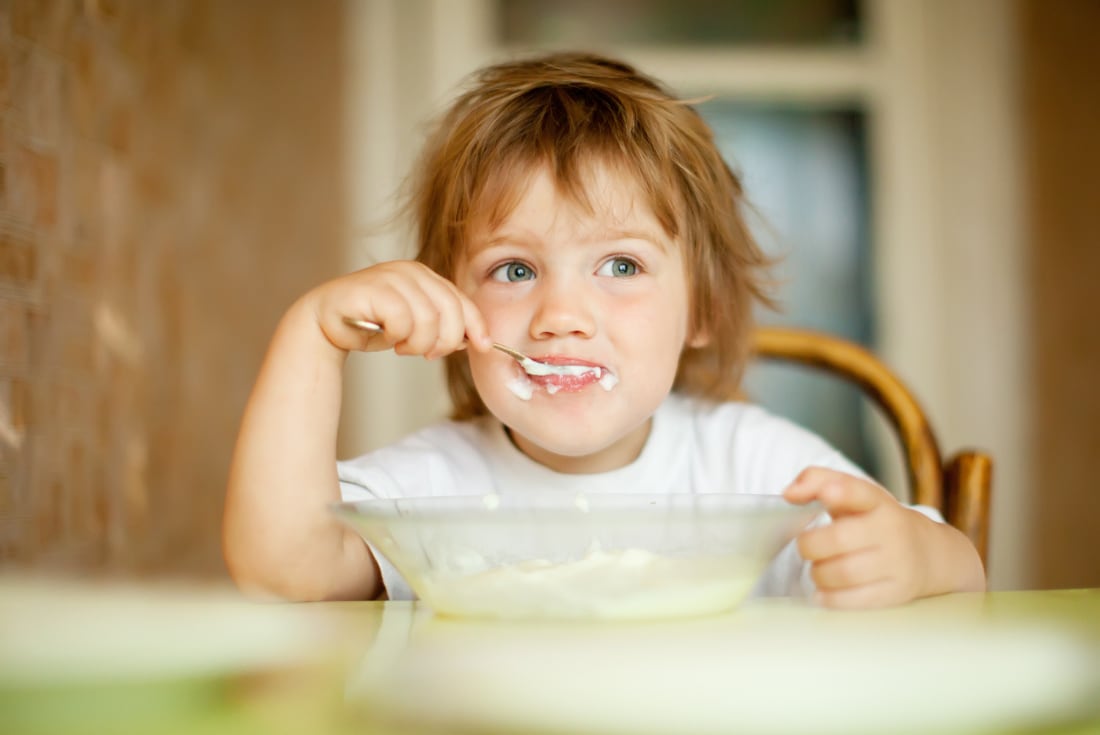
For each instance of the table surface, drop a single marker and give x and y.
(82, 658)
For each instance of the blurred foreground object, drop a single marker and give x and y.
(106, 658)
(962, 663)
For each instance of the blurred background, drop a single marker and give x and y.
(173, 174)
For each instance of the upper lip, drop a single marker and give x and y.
(564, 360)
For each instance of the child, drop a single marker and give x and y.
(571, 208)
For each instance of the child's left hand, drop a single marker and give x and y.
(877, 552)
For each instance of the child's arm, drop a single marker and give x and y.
(279, 537)
(877, 552)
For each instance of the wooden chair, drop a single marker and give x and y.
(959, 487)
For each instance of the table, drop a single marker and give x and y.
(83, 658)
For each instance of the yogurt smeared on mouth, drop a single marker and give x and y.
(553, 378)
(521, 387)
(608, 380)
(534, 367)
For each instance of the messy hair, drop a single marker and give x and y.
(564, 113)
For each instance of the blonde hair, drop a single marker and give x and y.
(567, 112)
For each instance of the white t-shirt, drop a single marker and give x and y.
(693, 447)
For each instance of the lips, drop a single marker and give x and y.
(567, 383)
(564, 360)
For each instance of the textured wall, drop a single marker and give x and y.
(170, 179)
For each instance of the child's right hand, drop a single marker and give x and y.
(279, 536)
(421, 313)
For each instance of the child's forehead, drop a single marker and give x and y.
(599, 199)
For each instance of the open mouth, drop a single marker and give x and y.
(567, 383)
(555, 373)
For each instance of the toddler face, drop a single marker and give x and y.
(606, 290)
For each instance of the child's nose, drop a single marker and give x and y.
(562, 310)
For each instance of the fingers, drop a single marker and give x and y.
(840, 493)
(859, 578)
(410, 318)
(421, 313)
(865, 597)
(457, 319)
(477, 331)
(842, 536)
(437, 327)
(855, 569)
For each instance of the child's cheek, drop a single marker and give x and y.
(490, 369)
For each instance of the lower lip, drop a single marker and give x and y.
(563, 383)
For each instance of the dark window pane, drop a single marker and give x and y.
(804, 172)
(591, 23)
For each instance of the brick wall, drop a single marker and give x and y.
(170, 179)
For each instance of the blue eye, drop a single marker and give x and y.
(514, 271)
(618, 268)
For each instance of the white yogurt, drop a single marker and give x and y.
(626, 584)
(521, 387)
(534, 367)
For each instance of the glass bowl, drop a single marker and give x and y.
(623, 556)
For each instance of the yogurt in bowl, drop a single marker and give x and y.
(610, 557)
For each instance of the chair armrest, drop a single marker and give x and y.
(967, 488)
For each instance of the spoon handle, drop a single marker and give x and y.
(362, 324)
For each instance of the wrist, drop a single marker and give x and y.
(301, 324)
(954, 564)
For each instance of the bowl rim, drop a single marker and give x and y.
(619, 507)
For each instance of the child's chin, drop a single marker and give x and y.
(564, 447)
(566, 441)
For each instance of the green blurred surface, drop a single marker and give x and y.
(306, 691)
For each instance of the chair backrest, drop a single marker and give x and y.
(959, 487)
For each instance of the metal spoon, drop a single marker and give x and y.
(530, 366)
